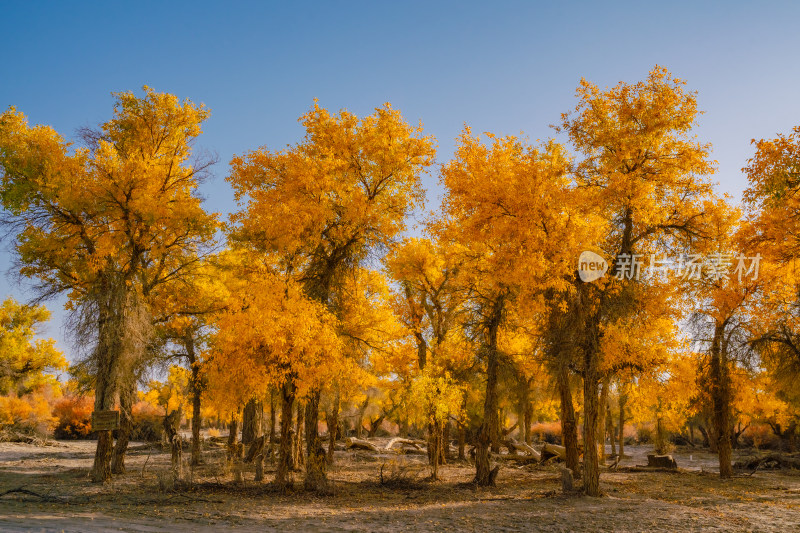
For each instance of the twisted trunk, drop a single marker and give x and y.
(288, 391)
(316, 477)
(106, 356)
(601, 421)
(591, 385)
(272, 417)
(489, 430)
(123, 332)
(569, 426)
(623, 399)
(233, 431)
(195, 390)
(126, 399)
(721, 400)
(171, 425)
(251, 421)
(298, 459)
(196, 420)
(333, 426)
(360, 418)
(610, 430)
(434, 447)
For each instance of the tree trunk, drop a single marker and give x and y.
(316, 478)
(118, 354)
(720, 397)
(591, 466)
(569, 427)
(482, 466)
(171, 426)
(462, 441)
(496, 430)
(360, 418)
(195, 389)
(661, 447)
(298, 459)
(445, 455)
(623, 399)
(489, 430)
(601, 422)
(272, 417)
(708, 441)
(528, 420)
(104, 395)
(591, 383)
(333, 426)
(126, 399)
(610, 430)
(288, 391)
(524, 409)
(462, 428)
(101, 470)
(251, 421)
(374, 426)
(233, 431)
(434, 447)
(196, 423)
(259, 460)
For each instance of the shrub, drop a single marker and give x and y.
(74, 417)
(30, 413)
(760, 436)
(549, 432)
(645, 434)
(148, 422)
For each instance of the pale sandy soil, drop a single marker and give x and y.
(526, 498)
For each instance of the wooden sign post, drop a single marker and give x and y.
(105, 420)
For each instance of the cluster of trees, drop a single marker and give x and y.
(28, 386)
(316, 297)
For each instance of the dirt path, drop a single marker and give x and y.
(526, 499)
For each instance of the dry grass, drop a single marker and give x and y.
(384, 493)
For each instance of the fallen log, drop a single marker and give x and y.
(514, 446)
(642, 468)
(413, 451)
(416, 443)
(553, 450)
(361, 444)
(779, 459)
(519, 459)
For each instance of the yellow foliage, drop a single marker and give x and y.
(270, 333)
(436, 395)
(125, 202)
(346, 188)
(25, 361)
(172, 394)
(30, 412)
(666, 393)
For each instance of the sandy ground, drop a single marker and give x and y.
(526, 498)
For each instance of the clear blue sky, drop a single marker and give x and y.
(505, 67)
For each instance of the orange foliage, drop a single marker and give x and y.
(547, 431)
(30, 412)
(73, 414)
